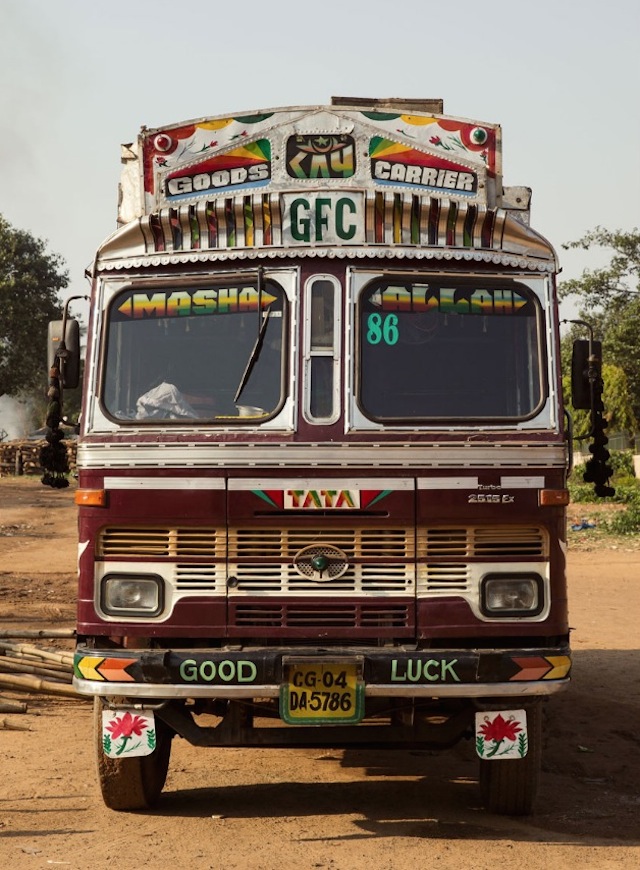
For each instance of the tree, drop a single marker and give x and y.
(610, 301)
(30, 281)
(616, 398)
(615, 283)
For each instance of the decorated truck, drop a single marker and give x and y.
(323, 454)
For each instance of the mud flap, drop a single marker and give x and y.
(128, 733)
(501, 734)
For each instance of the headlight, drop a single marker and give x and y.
(132, 594)
(512, 595)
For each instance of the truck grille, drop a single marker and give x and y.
(442, 553)
(394, 544)
(379, 560)
(296, 615)
(485, 542)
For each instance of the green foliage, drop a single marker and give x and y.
(627, 522)
(30, 281)
(612, 283)
(581, 493)
(626, 485)
(610, 302)
(617, 401)
(622, 342)
(621, 461)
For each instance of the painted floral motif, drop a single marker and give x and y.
(499, 737)
(125, 728)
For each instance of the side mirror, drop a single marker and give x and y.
(585, 371)
(70, 367)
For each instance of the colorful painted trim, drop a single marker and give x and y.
(423, 227)
(321, 499)
(263, 667)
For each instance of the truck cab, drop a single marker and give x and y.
(323, 458)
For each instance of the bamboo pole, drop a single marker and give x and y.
(44, 633)
(34, 684)
(47, 655)
(20, 659)
(8, 705)
(6, 725)
(14, 667)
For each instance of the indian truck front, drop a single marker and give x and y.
(322, 466)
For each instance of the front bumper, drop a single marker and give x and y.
(258, 672)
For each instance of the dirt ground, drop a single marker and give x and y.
(337, 810)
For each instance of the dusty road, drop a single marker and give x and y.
(307, 809)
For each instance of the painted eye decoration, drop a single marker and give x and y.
(163, 143)
(479, 136)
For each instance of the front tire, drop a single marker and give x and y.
(509, 786)
(132, 783)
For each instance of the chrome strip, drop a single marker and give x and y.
(514, 482)
(184, 219)
(462, 690)
(406, 218)
(349, 456)
(169, 690)
(203, 226)
(463, 210)
(473, 690)
(170, 483)
(370, 483)
(165, 223)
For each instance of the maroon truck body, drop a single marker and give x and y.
(322, 472)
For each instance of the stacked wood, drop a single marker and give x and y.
(25, 667)
(23, 457)
(8, 457)
(14, 633)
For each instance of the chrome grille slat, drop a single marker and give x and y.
(249, 550)
(121, 542)
(451, 577)
(483, 541)
(296, 615)
(355, 543)
(200, 578)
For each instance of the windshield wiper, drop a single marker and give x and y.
(253, 357)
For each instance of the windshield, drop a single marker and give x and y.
(449, 351)
(205, 353)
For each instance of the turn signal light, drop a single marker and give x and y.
(91, 497)
(553, 497)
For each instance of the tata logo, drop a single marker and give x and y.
(321, 499)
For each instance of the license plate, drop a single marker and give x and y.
(322, 691)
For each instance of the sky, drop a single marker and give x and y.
(80, 77)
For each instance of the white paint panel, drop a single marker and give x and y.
(447, 483)
(522, 482)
